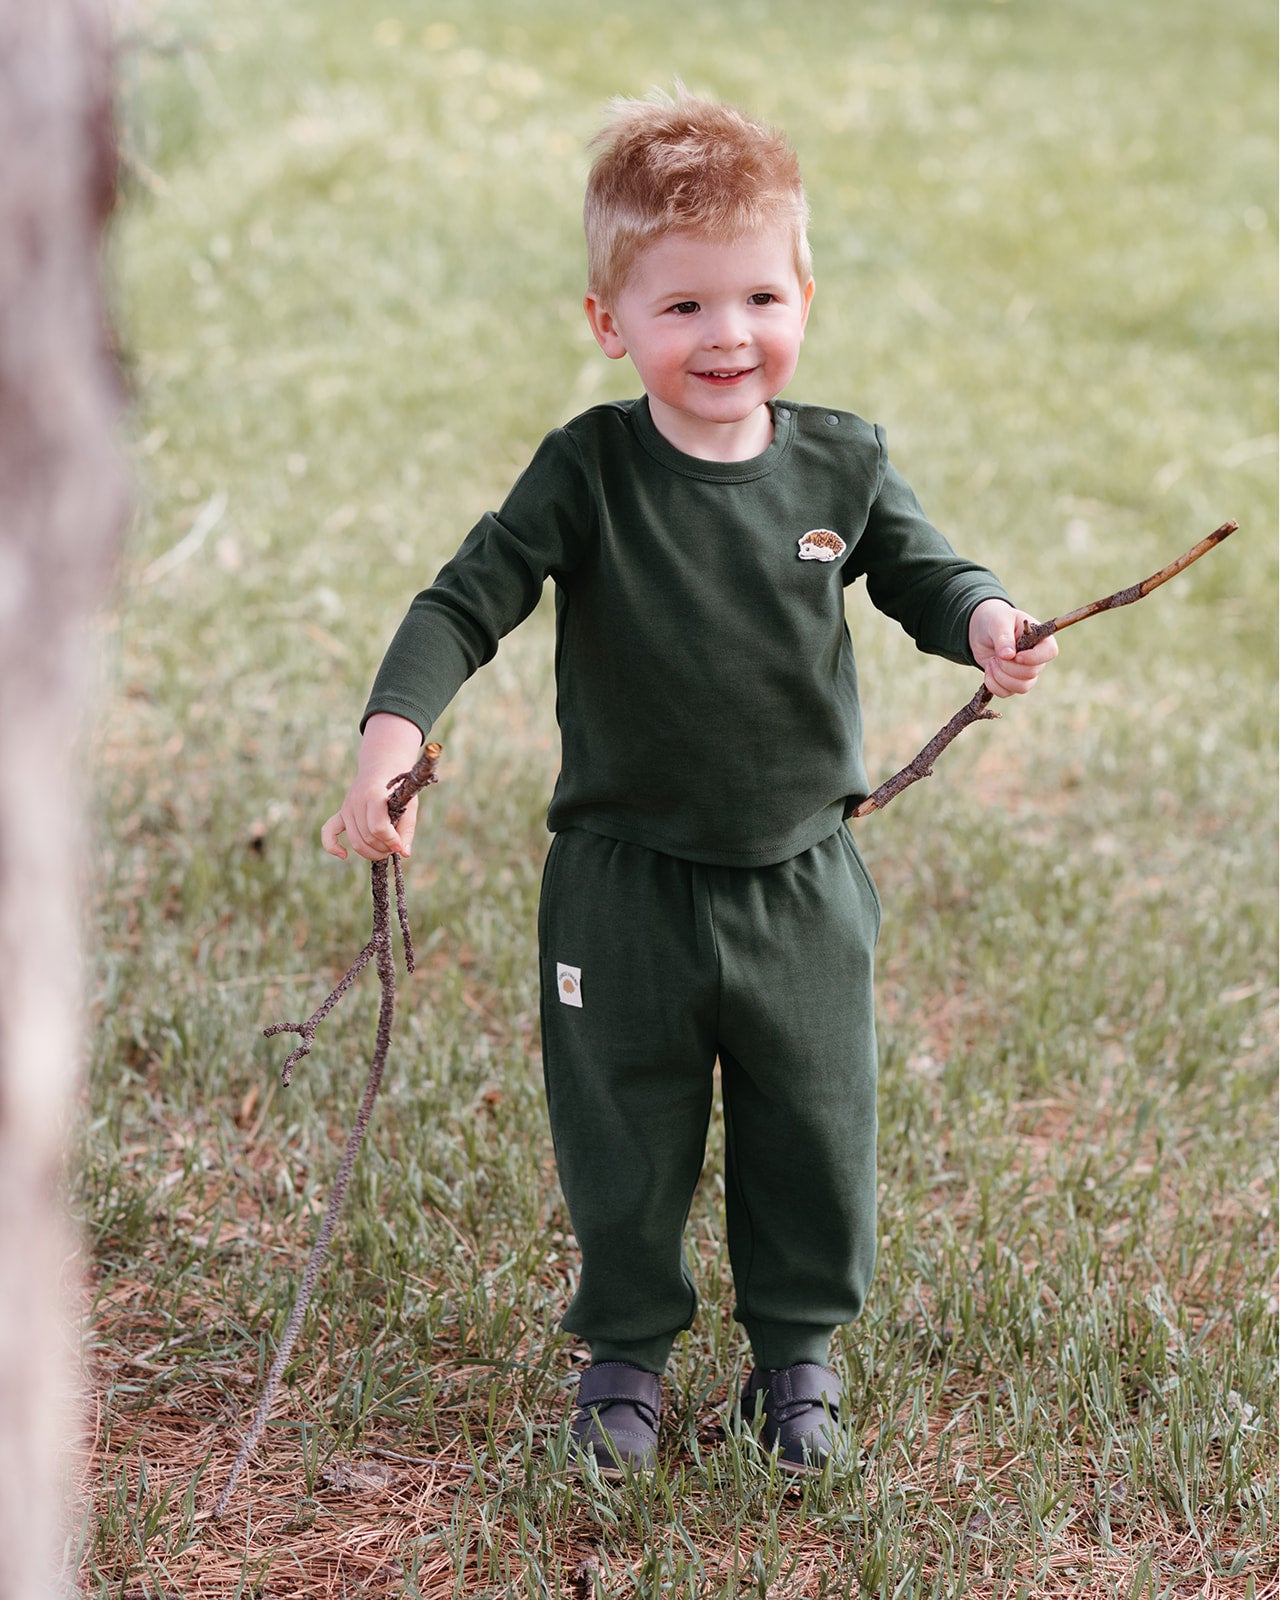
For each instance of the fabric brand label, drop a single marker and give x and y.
(569, 985)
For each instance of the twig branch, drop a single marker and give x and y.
(1126, 597)
(378, 950)
(977, 708)
(436, 1463)
(922, 766)
(406, 786)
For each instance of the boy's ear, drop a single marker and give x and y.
(808, 301)
(604, 327)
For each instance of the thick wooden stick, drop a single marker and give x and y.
(378, 949)
(977, 709)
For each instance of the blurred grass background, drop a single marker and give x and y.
(347, 273)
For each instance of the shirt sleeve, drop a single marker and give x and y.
(914, 575)
(488, 588)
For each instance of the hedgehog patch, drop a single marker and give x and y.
(821, 544)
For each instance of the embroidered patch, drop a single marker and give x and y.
(821, 544)
(569, 985)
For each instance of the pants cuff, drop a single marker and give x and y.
(784, 1344)
(651, 1354)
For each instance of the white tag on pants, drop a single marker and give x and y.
(569, 984)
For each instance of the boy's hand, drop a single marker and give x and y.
(994, 627)
(389, 747)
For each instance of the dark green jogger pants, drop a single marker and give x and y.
(652, 967)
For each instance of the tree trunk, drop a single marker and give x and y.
(62, 510)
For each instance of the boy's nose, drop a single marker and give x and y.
(726, 332)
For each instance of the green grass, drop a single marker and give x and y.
(347, 272)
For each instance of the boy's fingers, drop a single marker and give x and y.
(1005, 678)
(1008, 677)
(377, 835)
(1018, 623)
(1040, 653)
(1043, 650)
(329, 836)
(387, 842)
(408, 825)
(362, 839)
(1012, 671)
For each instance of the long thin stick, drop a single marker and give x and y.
(379, 950)
(978, 710)
(1126, 597)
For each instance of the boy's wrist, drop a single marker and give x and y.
(389, 740)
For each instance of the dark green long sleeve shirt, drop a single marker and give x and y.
(706, 688)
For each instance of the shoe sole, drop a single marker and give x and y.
(584, 1460)
(612, 1474)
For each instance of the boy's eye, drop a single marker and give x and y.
(685, 308)
(763, 298)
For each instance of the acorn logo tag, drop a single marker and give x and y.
(569, 985)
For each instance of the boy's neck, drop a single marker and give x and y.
(740, 440)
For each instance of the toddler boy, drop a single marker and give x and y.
(703, 899)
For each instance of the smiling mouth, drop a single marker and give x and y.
(728, 376)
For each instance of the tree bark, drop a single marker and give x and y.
(63, 505)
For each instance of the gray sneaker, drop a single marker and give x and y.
(617, 1418)
(798, 1411)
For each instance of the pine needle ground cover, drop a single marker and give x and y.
(348, 270)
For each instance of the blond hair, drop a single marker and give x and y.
(686, 165)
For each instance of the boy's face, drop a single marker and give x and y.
(714, 332)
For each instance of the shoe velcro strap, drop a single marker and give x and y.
(612, 1381)
(803, 1385)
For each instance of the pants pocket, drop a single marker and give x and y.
(864, 873)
